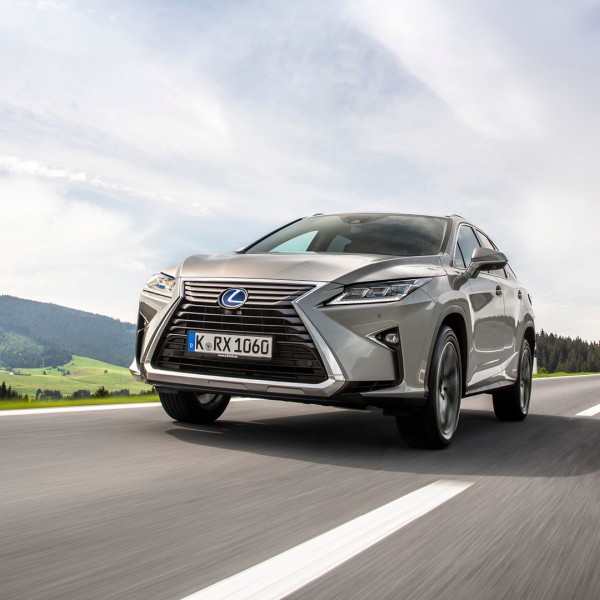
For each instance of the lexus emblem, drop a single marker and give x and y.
(234, 298)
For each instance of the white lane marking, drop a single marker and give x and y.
(285, 573)
(67, 409)
(590, 412)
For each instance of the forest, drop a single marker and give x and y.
(39, 334)
(556, 353)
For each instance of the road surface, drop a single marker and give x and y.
(282, 500)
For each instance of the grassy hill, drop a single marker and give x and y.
(82, 374)
(38, 334)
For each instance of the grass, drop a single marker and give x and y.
(85, 374)
(562, 374)
(17, 404)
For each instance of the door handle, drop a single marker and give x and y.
(498, 290)
(520, 294)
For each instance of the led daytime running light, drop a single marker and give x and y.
(385, 291)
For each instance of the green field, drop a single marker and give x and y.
(562, 374)
(20, 404)
(81, 374)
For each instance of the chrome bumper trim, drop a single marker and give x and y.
(135, 371)
(323, 390)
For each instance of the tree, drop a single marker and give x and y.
(101, 392)
(8, 392)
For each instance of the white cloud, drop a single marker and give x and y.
(17, 166)
(98, 88)
(462, 60)
(69, 251)
(51, 5)
(89, 100)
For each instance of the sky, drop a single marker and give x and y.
(134, 134)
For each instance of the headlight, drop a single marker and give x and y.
(160, 283)
(383, 291)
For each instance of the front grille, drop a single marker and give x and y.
(268, 311)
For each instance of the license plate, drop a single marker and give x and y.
(230, 345)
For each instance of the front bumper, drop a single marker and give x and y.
(356, 362)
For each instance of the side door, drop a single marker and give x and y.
(513, 295)
(486, 300)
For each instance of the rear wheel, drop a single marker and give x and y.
(193, 407)
(434, 425)
(512, 403)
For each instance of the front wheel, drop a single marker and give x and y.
(512, 403)
(193, 407)
(435, 424)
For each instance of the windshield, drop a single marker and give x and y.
(393, 235)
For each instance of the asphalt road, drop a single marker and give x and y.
(128, 504)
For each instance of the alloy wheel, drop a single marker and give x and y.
(448, 390)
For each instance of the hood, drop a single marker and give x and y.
(340, 268)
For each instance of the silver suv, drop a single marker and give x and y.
(406, 313)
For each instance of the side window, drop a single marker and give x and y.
(459, 263)
(485, 242)
(465, 244)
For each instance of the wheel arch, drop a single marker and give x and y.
(455, 319)
(529, 335)
(456, 322)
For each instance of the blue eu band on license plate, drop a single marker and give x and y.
(230, 345)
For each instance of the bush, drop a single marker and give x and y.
(101, 392)
(120, 393)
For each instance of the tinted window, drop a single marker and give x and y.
(394, 235)
(485, 242)
(466, 243)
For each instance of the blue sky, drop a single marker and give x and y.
(133, 134)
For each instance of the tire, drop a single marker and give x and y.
(434, 425)
(512, 403)
(193, 407)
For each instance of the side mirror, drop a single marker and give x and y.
(484, 259)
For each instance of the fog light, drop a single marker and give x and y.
(392, 338)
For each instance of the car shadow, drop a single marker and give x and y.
(540, 446)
